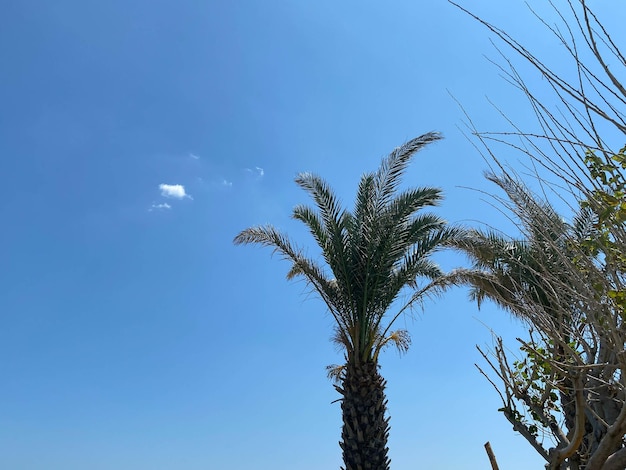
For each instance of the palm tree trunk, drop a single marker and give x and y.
(365, 428)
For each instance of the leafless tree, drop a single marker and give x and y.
(566, 392)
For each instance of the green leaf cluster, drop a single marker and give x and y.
(608, 201)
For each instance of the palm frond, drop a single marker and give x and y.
(490, 250)
(584, 224)
(408, 202)
(400, 227)
(316, 227)
(433, 241)
(335, 372)
(394, 165)
(331, 215)
(537, 216)
(399, 338)
(335, 222)
(322, 194)
(301, 266)
(364, 210)
(362, 230)
(484, 285)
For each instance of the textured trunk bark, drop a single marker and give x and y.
(365, 428)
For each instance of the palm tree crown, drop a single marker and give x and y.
(524, 274)
(373, 252)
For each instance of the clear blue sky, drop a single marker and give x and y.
(137, 138)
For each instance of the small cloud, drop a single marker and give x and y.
(159, 207)
(176, 191)
(195, 157)
(258, 172)
(227, 184)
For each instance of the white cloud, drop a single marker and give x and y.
(226, 183)
(163, 206)
(194, 156)
(175, 191)
(258, 172)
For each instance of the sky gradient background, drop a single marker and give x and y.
(137, 138)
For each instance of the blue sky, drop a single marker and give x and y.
(138, 138)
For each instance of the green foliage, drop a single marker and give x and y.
(533, 377)
(608, 201)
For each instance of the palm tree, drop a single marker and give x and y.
(547, 279)
(370, 255)
(519, 274)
